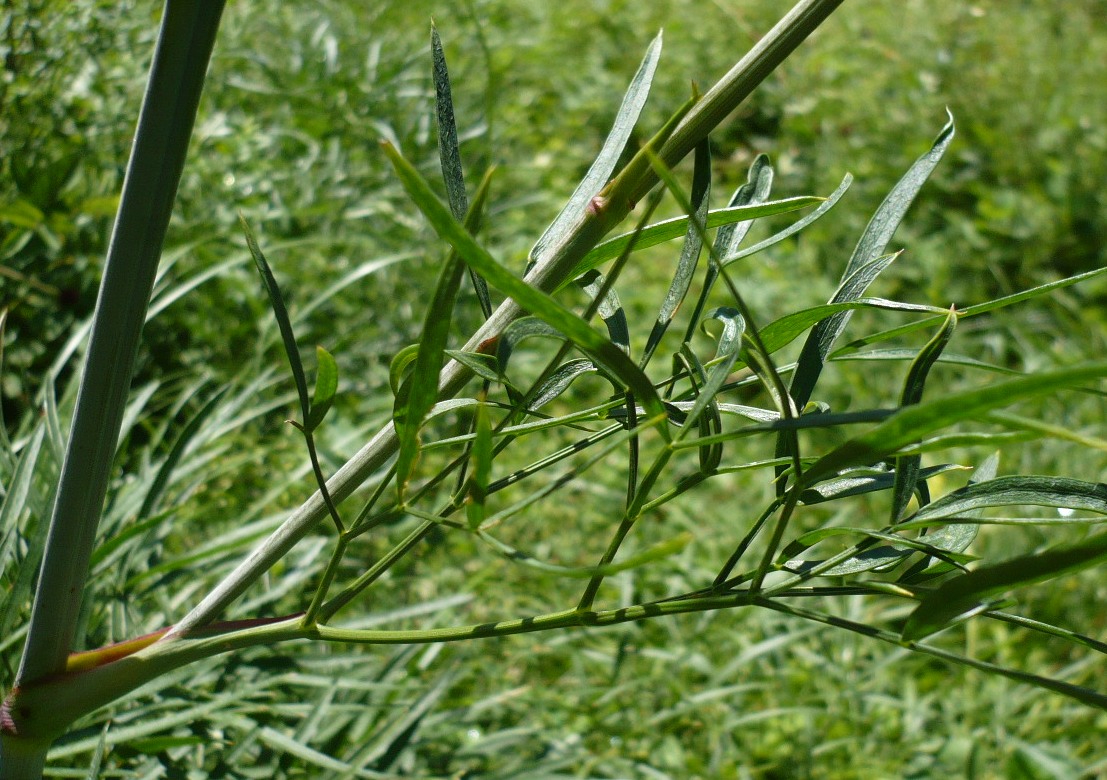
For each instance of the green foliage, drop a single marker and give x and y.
(635, 459)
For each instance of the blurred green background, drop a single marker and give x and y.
(297, 99)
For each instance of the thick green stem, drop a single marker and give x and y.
(149, 189)
(549, 274)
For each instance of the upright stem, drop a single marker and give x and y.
(149, 189)
(548, 275)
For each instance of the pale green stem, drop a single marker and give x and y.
(149, 189)
(548, 274)
(49, 704)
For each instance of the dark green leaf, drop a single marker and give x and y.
(689, 254)
(481, 459)
(610, 309)
(669, 229)
(449, 153)
(968, 592)
(281, 313)
(601, 349)
(911, 425)
(907, 466)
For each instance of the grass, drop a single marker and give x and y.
(287, 136)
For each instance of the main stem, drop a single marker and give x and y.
(548, 274)
(165, 123)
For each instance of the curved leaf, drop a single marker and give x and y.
(601, 349)
(969, 592)
(326, 385)
(912, 424)
(607, 159)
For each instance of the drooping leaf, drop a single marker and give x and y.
(912, 424)
(967, 593)
(519, 331)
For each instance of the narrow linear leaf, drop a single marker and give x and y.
(759, 183)
(519, 331)
(595, 345)
(610, 308)
(866, 255)
(829, 203)
(907, 466)
(967, 592)
(971, 311)
(481, 458)
(418, 394)
(280, 311)
(660, 232)
(911, 425)
(625, 119)
(817, 347)
(326, 385)
(864, 482)
(1059, 492)
(689, 254)
(955, 536)
(449, 153)
(560, 380)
